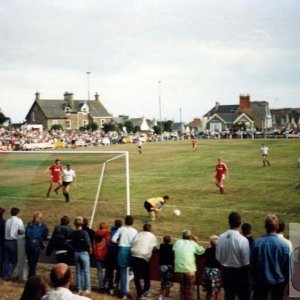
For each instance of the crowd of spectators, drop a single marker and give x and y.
(244, 267)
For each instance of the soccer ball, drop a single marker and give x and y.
(177, 212)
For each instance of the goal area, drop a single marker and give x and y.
(102, 190)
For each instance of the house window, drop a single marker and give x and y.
(54, 122)
(33, 117)
(215, 127)
(68, 124)
(67, 110)
(84, 123)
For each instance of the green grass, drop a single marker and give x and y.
(163, 168)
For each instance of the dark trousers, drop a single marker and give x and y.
(32, 250)
(112, 267)
(237, 282)
(140, 268)
(262, 290)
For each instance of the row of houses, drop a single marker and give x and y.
(246, 114)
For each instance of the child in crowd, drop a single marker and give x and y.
(166, 264)
(212, 274)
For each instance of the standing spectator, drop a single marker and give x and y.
(212, 273)
(185, 250)
(13, 228)
(82, 247)
(55, 171)
(154, 206)
(141, 251)
(280, 231)
(124, 237)
(270, 262)
(89, 230)
(233, 252)
(101, 240)
(34, 289)
(264, 153)
(247, 233)
(166, 266)
(112, 259)
(221, 173)
(35, 234)
(60, 241)
(2, 239)
(61, 279)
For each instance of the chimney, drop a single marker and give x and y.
(37, 96)
(217, 106)
(97, 97)
(68, 97)
(244, 101)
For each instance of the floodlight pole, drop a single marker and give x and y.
(159, 105)
(88, 83)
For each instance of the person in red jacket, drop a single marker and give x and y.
(100, 243)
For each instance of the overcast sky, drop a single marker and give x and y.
(201, 51)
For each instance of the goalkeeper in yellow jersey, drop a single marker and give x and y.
(154, 205)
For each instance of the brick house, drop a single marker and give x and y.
(69, 113)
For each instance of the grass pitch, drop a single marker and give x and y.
(170, 168)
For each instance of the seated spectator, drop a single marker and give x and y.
(61, 278)
(212, 274)
(60, 241)
(34, 289)
(185, 250)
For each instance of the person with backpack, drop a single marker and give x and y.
(100, 243)
(36, 233)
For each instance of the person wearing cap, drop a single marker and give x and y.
(154, 206)
(185, 250)
(68, 176)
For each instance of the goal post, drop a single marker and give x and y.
(106, 158)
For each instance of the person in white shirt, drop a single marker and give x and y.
(233, 253)
(124, 238)
(141, 251)
(264, 153)
(68, 176)
(14, 227)
(61, 278)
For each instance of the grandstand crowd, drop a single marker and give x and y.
(235, 264)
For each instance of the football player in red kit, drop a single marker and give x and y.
(55, 171)
(222, 172)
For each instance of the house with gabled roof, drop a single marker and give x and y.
(247, 114)
(69, 113)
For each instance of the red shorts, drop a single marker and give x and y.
(55, 179)
(220, 177)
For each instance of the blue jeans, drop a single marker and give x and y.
(124, 255)
(100, 275)
(82, 262)
(10, 258)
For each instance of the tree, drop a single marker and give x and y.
(109, 127)
(157, 129)
(129, 126)
(168, 125)
(137, 128)
(56, 127)
(92, 126)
